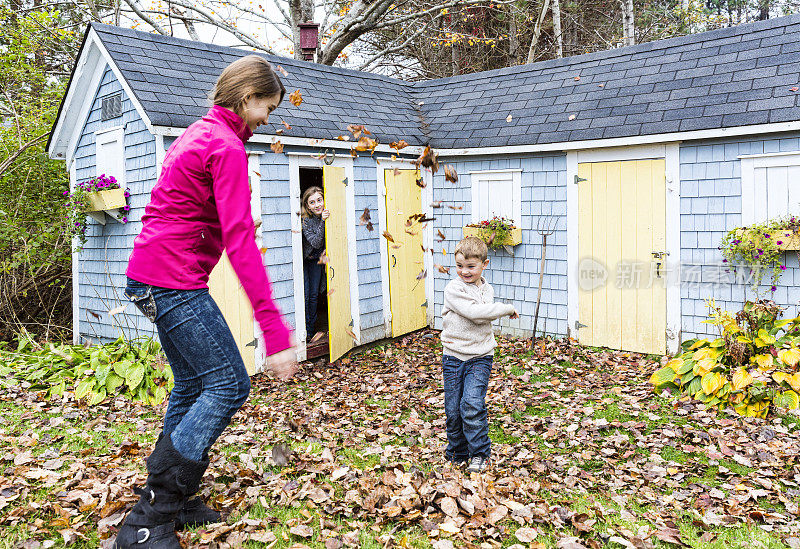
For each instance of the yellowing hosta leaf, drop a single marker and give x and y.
(719, 342)
(790, 357)
(712, 382)
(763, 361)
(741, 379)
(765, 337)
(675, 364)
(697, 344)
(662, 376)
(704, 366)
(743, 339)
(787, 399)
(794, 381)
(703, 353)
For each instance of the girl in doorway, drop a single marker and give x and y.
(313, 215)
(200, 206)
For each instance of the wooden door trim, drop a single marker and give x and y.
(671, 155)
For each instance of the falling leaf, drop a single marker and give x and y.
(279, 131)
(277, 147)
(577, 78)
(455, 207)
(450, 174)
(509, 118)
(572, 117)
(357, 130)
(296, 98)
(388, 236)
(286, 124)
(422, 274)
(282, 70)
(440, 235)
(437, 204)
(365, 217)
(117, 310)
(398, 145)
(366, 144)
(420, 181)
(794, 89)
(442, 269)
(343, 137)
(428, 159)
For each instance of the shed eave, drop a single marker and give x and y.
(674, 137)
(173, 131)
(80, 96)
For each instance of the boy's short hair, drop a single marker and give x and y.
(472, 247)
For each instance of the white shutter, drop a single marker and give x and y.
(496, 193)
(110, 154)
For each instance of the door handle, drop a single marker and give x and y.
(394, 260)
(333, 273)
(659, 255)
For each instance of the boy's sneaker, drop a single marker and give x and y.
(478, 464)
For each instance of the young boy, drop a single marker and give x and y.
(469, 343)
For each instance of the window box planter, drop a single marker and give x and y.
(103, 202)
(514, 238)
(789, 240)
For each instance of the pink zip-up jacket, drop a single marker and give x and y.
(200, 206)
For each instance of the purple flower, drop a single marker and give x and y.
(765, 234)
(126, 208)
(783, 267)
(773, 289)
(724, 260)
(124, 219)
(779, 242)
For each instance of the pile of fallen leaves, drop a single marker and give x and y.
(350, 455)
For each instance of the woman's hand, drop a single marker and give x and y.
(325, 214)
(284, 363)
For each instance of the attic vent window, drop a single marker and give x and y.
(112, 106)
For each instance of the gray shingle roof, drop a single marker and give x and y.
(172, 78)
(729, 77)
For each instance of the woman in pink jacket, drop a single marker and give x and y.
(200, 206)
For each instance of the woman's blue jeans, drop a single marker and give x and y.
(211, 381)
(465, 384)
(312, 282)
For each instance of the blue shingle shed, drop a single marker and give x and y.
(640, 158)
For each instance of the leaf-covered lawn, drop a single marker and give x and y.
(584, 455)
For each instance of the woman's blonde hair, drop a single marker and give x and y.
(249, 75)
(311, 191)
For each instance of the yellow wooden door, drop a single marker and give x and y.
(622, 229)
(406, 256)
(224, 286)
(340, 319)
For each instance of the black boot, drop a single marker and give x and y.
(196, 513)
(171, 480)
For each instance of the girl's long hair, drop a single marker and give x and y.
(304, 211)
(249, 75)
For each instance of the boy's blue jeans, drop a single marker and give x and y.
(465, 384)
(211, 381)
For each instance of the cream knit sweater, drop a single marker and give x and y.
(467, 318)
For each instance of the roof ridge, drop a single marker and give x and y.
(742, 29)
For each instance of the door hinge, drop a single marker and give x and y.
(578, 325)
(578, 179)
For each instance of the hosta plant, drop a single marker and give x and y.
(753, 366)
(134, 370)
